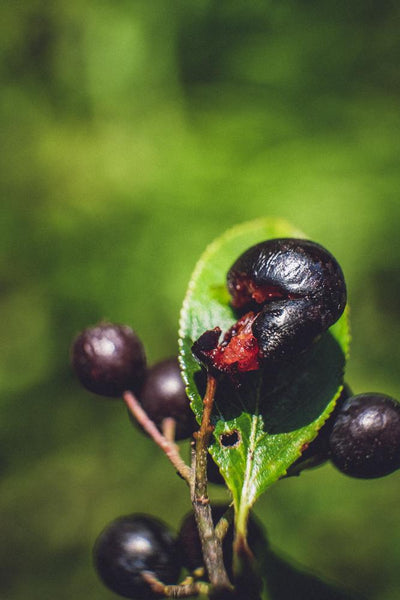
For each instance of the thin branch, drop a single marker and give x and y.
(203, 438)
(169, 448)
(211, 545)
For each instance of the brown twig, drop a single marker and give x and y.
(169, 448)
(202, 438)
(211, 545)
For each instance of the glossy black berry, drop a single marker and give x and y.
(131, 545)
(365, 439)
(164, 396)
(109, 359)
(295, 287)
(190, 545)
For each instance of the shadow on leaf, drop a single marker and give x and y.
(289, 395)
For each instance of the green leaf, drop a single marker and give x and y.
(261, 426)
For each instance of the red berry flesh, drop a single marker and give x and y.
(109, 359)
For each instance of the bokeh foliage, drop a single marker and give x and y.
(133, 133)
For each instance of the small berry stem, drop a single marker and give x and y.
(169, 448)
(221, 528)
(168, 427)
(211, 544)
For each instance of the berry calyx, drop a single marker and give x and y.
(128, 547)
(163, 396)
(365, 438)
(109, 359)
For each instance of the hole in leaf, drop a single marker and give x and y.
(231, 439)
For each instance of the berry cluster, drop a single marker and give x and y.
(286, 293)
(135, 552)
(109, 359)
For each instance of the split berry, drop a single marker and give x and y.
(109, 359)
(288, 291)
(365, 439)
(130, 546)
(164, 396)
(287, 268)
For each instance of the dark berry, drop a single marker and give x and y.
(190, 545)
(109, 359)
(297, 288)
(131, 545)
(164, 396)
(288, 292)
(365, 438)
(286, 268)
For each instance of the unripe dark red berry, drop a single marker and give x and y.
(109, 359)
(365, 439)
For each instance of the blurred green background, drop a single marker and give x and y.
(133, 133)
